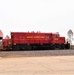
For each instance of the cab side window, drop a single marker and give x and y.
(56, 35)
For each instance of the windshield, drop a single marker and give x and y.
(56, 35)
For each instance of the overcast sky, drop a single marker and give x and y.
(36, 15)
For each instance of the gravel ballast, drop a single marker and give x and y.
(36, 53)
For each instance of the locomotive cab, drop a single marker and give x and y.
(59, 42)
(55, 38)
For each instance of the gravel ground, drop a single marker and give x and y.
(36, 53)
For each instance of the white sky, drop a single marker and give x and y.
(36, 15)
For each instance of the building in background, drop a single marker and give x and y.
(1, 38)
(1, 34)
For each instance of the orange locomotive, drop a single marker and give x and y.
(35, 41)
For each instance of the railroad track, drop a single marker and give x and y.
(36, 53)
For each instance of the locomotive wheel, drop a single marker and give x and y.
(25, 47)
(52, 47)
(16, 47)
(28, 47)
(61, 46)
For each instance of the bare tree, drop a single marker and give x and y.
(7, 37)
(70, 35)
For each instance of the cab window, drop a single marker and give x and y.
(56, 35)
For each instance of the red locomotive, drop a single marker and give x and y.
(34, 41)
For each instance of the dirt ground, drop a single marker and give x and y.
(49, 65)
